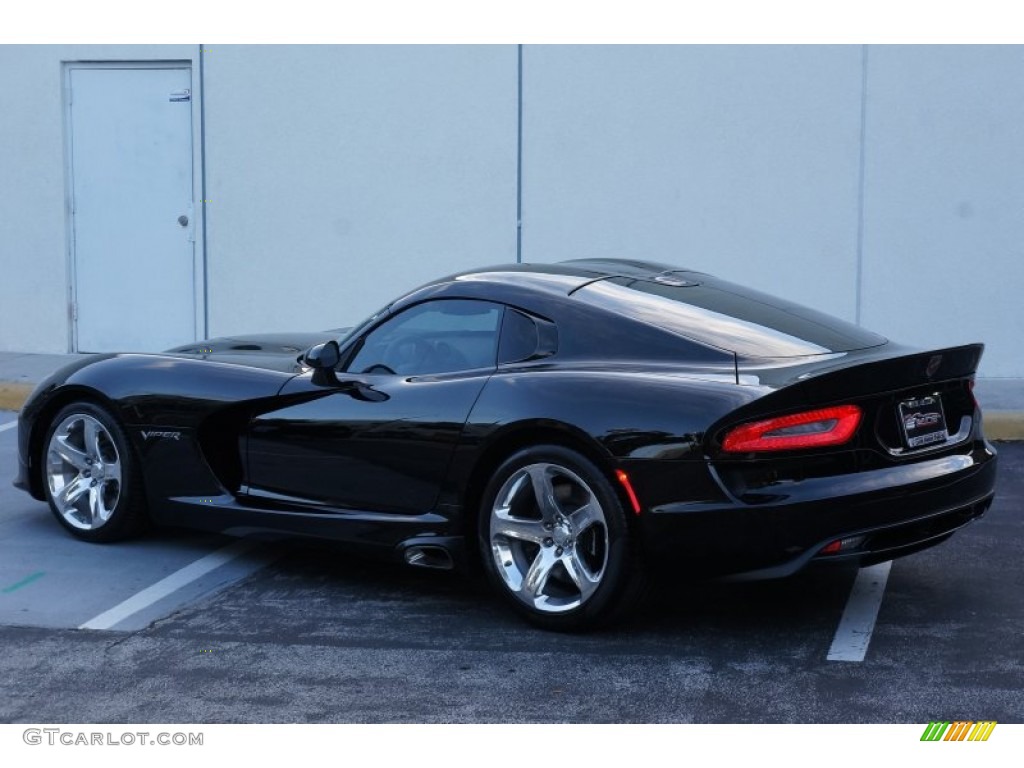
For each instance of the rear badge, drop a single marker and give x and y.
(924, 421)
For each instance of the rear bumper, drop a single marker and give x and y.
(897, 510)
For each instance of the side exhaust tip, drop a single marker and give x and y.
(429, 557)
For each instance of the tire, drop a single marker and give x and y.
(555, 541)
(91, 476)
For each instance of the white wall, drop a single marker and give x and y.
(740, 161)
(33, 247)
(342, 175)
(944, 198)
(33, 271)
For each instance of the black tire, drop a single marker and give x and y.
(566, 564)
(91, 475)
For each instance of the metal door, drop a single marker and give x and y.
(132, 244)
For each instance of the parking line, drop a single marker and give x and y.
(10, 425)
(858, 622)
(170, 584)
(23, 583)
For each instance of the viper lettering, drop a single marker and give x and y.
(168, 435)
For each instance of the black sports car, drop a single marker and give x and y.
(575, 429)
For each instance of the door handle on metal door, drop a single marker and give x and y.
(186, 223)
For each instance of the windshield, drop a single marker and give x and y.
(348, 334)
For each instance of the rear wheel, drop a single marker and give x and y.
(555, 540)
(91, 477)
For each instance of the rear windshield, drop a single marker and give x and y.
(728, 316)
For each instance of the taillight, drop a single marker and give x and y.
(810, 429)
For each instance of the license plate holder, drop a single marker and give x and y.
(923, 421)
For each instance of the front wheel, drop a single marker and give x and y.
(91, 478)
(555, 540)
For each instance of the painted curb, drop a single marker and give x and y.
(999, 425)
(1004, 425)
(13, 395)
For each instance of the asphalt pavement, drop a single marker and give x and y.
(287, 633)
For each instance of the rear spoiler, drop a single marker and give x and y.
(851, 374)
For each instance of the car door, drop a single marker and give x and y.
(379, 434)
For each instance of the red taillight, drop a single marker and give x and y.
(810, 429)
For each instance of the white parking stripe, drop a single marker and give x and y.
(858, 622)
(170, 584)
(11, 425)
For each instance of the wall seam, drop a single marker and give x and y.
(519, 153)
(202, 183)
(859, 299)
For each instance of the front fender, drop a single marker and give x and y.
(143, 392)
(165, 391)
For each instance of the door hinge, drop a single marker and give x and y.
(73, 311)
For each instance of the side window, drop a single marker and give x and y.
(437, 336)
(519, 339)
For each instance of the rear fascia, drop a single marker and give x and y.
(774, 511)
(780, 535)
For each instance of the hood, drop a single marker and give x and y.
(276, 351)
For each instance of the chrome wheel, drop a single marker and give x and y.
(549, 537)
(83, 472)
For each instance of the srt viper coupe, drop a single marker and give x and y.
(574, 430)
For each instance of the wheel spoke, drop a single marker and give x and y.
(586, 516)
(585, 581)
(517, 528)
(106, 492)
(69, 453)
(96, 506)
(72, 492)
(91, 439)
(544, 491)
(112, 471)
(537, 576)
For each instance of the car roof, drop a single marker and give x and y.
(573, 273)
(557, 278)
(661, 297)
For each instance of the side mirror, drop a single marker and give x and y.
(323, 356)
